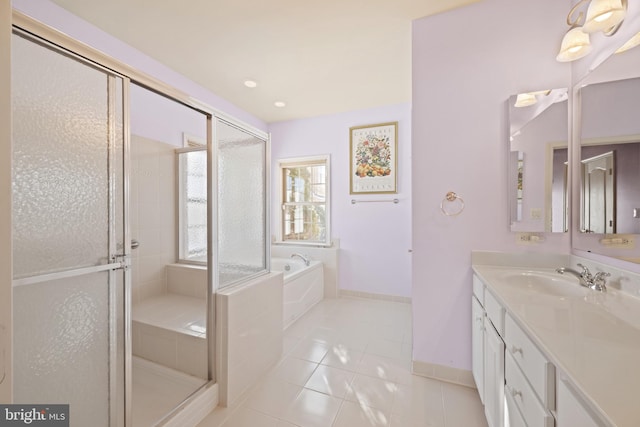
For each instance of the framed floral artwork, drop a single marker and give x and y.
(374, 160)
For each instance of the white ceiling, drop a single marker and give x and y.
(319, 57)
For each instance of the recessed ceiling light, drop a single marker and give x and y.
(279, 104)
(250, 83)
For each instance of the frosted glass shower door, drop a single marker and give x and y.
(242, 201)
(68, 233)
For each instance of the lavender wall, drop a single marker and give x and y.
(374, 237)
(58, 18)
(461, 81)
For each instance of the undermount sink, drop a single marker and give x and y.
(542, 282)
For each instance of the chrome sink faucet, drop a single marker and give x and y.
(597, 281)
(304, 258)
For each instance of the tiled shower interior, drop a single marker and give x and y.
(169, 300)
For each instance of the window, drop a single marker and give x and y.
(192, 191)
(305, 200)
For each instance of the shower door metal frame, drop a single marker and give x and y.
(118, 258)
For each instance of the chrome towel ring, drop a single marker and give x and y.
(449, 199)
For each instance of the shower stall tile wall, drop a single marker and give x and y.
(248, 333)
(153, 215)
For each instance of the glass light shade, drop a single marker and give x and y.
(524, 100)
(575, 45)
(630, 44)
(603, 15)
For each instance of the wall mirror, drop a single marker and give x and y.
(608, 199)
(538, 161)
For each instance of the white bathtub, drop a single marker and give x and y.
(303, 286)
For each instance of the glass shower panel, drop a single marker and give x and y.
(63, 344)
(68, 225)
(241, 203)
(60, 175)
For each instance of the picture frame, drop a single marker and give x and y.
(373, 155)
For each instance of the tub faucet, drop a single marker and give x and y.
(597, 281)
(306, 259)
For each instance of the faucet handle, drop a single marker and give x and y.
(585, 270)
(599, 280)
(600, 276)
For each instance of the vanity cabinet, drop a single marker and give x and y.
(515, 381)
(493, 377)
(488, 353)
(477, 345)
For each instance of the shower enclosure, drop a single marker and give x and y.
(132, 205)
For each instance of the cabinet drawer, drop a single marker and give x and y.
(495, 312)
(512, 413)
(478, 289)
(534, 414)
(535, 366)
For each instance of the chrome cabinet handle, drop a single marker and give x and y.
(134, 244)
(515, 350)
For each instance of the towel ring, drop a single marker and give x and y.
(452, 197)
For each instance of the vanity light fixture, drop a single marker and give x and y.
(525, 100)
(602, 15)
(529, 98)
(575, 45)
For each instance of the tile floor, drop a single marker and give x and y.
(346, 363)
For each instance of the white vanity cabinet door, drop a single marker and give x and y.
(477, 345)
(493, 377)
(570, 412)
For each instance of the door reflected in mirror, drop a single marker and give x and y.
(610, 158)
(538, 161)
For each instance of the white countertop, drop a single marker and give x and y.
(593, 337)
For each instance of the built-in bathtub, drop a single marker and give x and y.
(303, 286)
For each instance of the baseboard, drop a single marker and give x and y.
(448, 374)
(195, 408)
(382, 297)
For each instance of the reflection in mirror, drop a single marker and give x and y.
(538, 161)
(608, 199)
(610, 158)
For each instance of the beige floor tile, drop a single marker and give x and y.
(373, 392)
(332, 381)
(352, 414)
(382, 367)
(245, 417)
(312, 409)
(340, 356)
(310, 350)
(294, 371)
(385, 348)
(272, 397)
(363, 377)
(456, 397)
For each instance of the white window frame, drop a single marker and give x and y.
(190, 142)
(297, 162)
